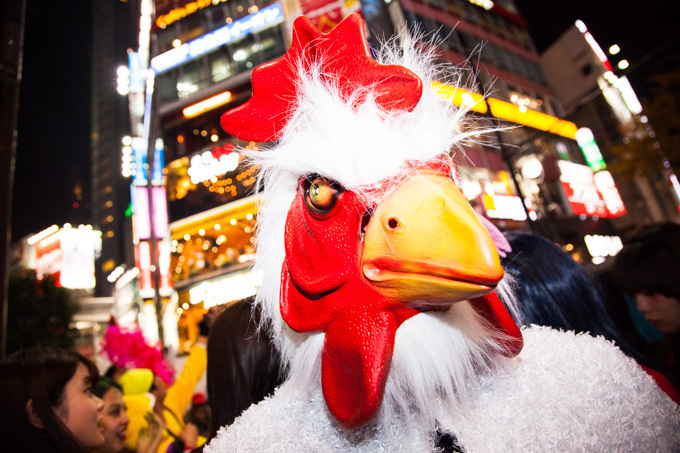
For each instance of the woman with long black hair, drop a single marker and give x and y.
(47, 402)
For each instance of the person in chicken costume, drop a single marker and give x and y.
(379, 280)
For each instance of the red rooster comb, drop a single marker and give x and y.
(345, 61)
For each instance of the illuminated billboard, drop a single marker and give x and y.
(252, 23)
(589, 193)
(68, 254)
(580, 189)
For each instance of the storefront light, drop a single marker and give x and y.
(207, 104)
(471, 188)
(532, 168)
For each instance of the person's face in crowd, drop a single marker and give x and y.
(81, 410)
(661, 311)
(114, 422)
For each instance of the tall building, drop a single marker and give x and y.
(201, 57)
(594, 96)
(540, 165)
(192, 202)
(115, 30)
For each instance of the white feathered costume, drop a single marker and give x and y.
(449, 369)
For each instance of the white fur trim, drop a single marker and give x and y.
(565, 392)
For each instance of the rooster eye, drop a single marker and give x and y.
(321, 196)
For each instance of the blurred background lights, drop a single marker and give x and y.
(623, 64)
(468, 100)
(613, 50)
(581, 26)
(123, 80)
(532, 168)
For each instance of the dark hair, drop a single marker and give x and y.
(104, 384)
(553, 290)
(650, 262)
(243, 365)
(39, 373)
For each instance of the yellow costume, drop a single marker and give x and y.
(176, 402)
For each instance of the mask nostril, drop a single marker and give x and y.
(392, 223)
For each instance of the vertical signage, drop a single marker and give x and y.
(610, 194)
(580, 189)
(591, 152)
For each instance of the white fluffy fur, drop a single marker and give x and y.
(564, 393)
(444, 364)
(435, 354)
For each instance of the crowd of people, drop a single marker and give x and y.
(54, 400)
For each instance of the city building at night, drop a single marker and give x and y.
(594, 96)
(115, 30)
(194, 206)
(528, 177)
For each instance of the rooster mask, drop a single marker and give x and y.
(379, 281)
(357, 264)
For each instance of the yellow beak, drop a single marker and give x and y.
(426, 247)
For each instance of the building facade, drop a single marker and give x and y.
(201, 56)
(596, 97)
(115, 31)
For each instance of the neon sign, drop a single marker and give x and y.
(610, 194)
(580, 189)
(213, 163)
(234, 287)
(183, 11)
(504, 207)
(603, 245)
(591, 152)
(252, 23)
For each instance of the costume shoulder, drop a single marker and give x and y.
(294, 421)
(564, 392)
(569, 392)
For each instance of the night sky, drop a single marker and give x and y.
(645, 31)
(54, 112)
(54, 117)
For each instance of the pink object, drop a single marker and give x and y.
(127, 348)
(502, 245)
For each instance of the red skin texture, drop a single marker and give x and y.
(324, 289)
